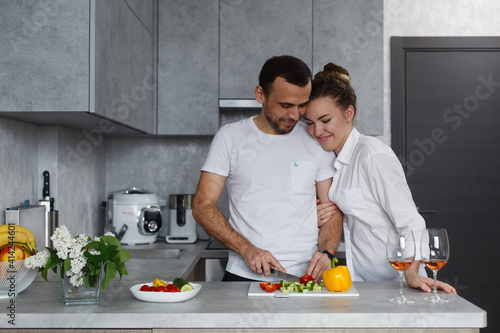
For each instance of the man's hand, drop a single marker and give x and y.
(318, 264)
(325, 211)
(422, 282)
(261, 261)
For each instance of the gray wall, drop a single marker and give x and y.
(76, 168)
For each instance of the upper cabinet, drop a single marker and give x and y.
(188, 65)
(253, 31)
(350, 34)
(78, 63)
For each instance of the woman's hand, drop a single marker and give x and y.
(318, 264)
(422, 282)
(325, 211)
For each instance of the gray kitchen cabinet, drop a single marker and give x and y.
(188, 63)
(78, 64)
(350, 34)
(253, 31)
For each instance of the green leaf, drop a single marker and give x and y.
(123, 255)
(110, 271)
(93, 244)
(111, 240)
(106, 250)
(66, 265)
(122, 270)
(93, 258)
(52, 262)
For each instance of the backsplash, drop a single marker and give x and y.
(77, 185)
(82, 174)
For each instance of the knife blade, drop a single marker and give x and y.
(284, 276)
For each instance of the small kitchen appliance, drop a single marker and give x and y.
(134, 215)
(182, 225)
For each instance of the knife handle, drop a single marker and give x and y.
(46, 184)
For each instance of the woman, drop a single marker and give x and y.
(369, 185)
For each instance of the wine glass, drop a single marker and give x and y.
(401, 254)
(435, 250)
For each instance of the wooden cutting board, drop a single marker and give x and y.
(256, 290)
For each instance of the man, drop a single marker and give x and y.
(273, 170)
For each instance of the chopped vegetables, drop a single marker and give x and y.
(292, 286)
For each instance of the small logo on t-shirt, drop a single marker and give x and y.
(295, 164)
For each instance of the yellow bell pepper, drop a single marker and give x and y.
(337, 278)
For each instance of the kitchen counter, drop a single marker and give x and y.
(226, 305)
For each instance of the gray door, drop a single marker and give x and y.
(447, 132)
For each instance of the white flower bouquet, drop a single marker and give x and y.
(81, 258)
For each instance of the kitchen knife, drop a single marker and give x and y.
(284, 276)
(46, 185)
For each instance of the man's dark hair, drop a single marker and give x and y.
(292, 69)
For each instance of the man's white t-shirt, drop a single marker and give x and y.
(271, 182)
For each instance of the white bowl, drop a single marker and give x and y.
(15, 278)
(164, 297)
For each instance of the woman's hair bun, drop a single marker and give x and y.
(332, 70)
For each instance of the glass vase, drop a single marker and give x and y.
(72, 295)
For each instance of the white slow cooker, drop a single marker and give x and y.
(134, 215)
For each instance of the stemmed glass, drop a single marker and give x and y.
(435, 250)
(401, 254)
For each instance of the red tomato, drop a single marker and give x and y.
(144, 288)
(173, 289)
(305, 278)
(264, 284)
(152, 288)
(269, 288)
(161, 289)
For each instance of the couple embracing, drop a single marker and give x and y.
(294, 187)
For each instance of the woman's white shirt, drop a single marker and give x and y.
(370, 188)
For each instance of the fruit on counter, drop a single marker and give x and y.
(172, 288)
(182, 284)
(161, 289)
(158, 282)
(337, 278)
(9, 253)
(159, 285)
(12, 234)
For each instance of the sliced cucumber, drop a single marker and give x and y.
(182, 284)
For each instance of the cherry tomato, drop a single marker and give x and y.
(144, 288)
(271, 287)
(161, 289)
(173, 289)
(152, 288)
(264, 284)
(305, 278)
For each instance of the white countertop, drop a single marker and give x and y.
(226, 305)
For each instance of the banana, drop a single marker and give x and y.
(8, 227)
(19, 237)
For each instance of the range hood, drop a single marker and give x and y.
(239, 104)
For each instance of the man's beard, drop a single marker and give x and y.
(276, 124)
